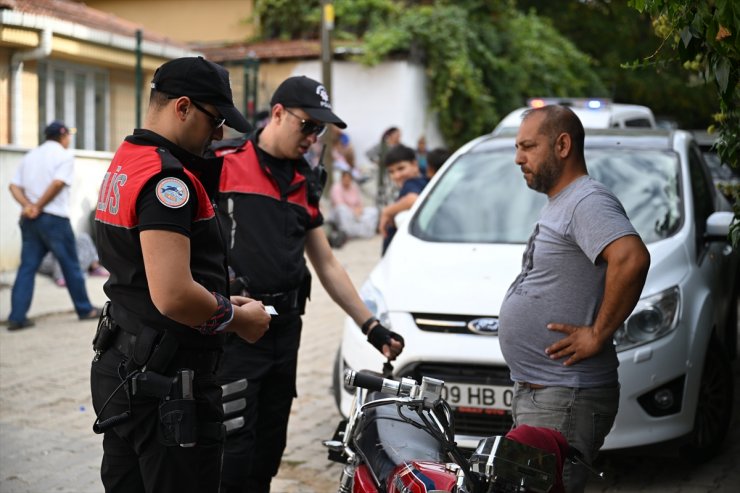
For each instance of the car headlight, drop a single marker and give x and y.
(654, 317)
(373, 299)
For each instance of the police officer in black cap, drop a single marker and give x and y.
(153, 377)
(269, 203)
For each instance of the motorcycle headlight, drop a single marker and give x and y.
(373, 299)
(653, 317)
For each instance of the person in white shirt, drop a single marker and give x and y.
(41, 186)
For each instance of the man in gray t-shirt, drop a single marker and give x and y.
(582, 274)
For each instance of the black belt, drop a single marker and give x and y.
(282, 302)
(199, 360)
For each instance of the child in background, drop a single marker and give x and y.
(403, 170)
(87, 255)
(352, 217)
(435, 159)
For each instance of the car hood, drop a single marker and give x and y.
(447, 278)
(418, 276)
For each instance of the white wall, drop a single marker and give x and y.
(371, 99)
(90, 168)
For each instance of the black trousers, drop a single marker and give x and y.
(252, 454)
(137, 458)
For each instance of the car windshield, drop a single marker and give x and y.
(483, 198)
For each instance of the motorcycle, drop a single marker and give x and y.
(399, 438)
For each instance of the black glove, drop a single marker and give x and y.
(380, 336)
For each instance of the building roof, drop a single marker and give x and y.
(302, 48)
(266, 50)
(79, 13)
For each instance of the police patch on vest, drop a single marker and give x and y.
(172, 192)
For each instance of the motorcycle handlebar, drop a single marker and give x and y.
(404, 388)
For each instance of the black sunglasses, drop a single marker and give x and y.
(309, 127)
(217, 121)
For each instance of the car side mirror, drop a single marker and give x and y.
(718, 226)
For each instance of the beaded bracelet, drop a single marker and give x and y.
(222, 317)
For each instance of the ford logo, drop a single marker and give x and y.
(484, 326)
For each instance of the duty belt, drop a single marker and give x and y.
(199, 360)
(283, 302)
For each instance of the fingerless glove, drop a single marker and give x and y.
(379, 336)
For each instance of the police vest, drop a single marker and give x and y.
(120, 249)
(265, 227)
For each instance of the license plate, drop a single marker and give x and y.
(478, 396)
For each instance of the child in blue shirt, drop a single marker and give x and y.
(400, 162)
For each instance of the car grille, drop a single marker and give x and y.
(480, 423)
(450, 324)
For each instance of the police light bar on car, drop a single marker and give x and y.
(589, 103)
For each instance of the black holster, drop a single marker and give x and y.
(106, 332)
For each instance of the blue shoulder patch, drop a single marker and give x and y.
(172, 192)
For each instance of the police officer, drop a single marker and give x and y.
(153, 378)
(269, 201)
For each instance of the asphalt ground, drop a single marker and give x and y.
(47, 443)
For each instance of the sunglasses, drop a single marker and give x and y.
(216, 121)
(309, 127)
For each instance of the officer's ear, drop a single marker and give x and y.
(182, 106)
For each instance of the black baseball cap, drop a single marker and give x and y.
(202, 81)
(57, 128)
(308, 95)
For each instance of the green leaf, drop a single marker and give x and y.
(722, 74)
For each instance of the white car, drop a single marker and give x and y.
(441, 283)
(593, 113)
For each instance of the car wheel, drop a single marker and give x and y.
(714, 406)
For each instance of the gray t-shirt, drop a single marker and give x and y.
(562, 281)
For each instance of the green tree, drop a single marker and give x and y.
(482, 58)
(705, 38)
(612, 32)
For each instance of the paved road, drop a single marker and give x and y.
(46, 442)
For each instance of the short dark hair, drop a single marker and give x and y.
(437, 157)
(560, 119)
(158, 100)
(399, 153)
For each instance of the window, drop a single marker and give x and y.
(483, 198)
(638, 123)
(79, 96)
(701, 187)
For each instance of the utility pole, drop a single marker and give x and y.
(138, 77)
(327, 25)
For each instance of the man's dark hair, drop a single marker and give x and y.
(399, 153)
(557, 120)
(437, 157)
(157, 99)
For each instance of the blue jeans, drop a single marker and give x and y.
(41, 235)
(583, 416)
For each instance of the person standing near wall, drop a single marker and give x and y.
(41, 186)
